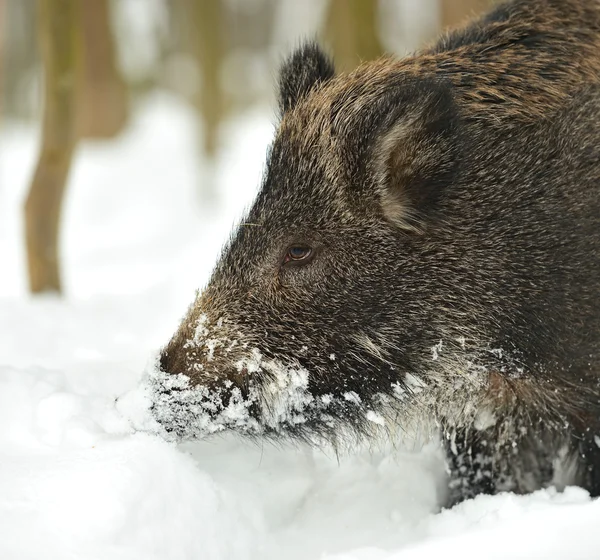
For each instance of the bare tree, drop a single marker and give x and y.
(206, 26)
(351, 30)
(58, 41)
(102, 101)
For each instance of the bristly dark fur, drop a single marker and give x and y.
(302, 72)
(451, 203)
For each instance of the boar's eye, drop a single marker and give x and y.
(298, 254)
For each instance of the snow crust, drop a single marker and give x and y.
(82, 472)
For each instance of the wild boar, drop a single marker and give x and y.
(425, 245)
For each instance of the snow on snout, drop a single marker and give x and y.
(277, 396)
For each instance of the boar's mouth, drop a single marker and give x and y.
(206, 381)
(276, 402)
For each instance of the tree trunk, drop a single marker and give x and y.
(102, 101)
(351, 30)
(58, 40)
(208, 48)
(455, 12)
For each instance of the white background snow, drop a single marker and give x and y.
(77, 482)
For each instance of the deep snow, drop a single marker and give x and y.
(77, 481)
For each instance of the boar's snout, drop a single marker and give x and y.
(204, 382)
(213, 377)
(209, 361)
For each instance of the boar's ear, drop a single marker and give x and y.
(304, 70)
(414, 151)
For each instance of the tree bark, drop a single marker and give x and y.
(58, 41)
(351, 30)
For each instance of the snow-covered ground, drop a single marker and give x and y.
(76, 481)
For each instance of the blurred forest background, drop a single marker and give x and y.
(79, 67)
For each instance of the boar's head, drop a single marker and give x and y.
(326, 306)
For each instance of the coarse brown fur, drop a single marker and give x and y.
(448, 204)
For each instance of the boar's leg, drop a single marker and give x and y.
(483, 462)
(470, 464)
(589, 453)
(488, 462)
